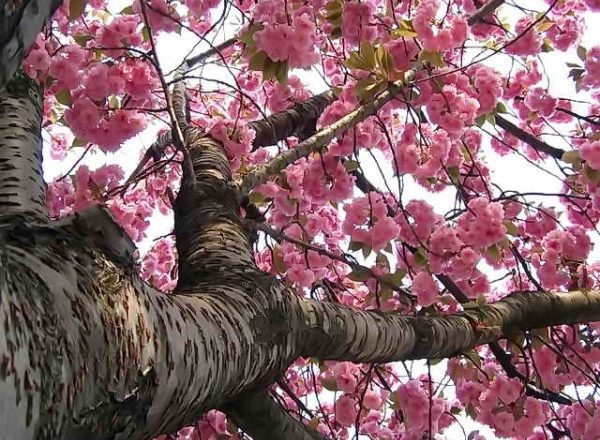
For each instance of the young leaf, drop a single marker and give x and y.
(76, 8)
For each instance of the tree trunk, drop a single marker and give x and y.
(20, 23)
(88, 350)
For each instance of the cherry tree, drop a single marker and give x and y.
(302, 273)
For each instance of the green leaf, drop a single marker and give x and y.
(511, 228)
(278, 262)
(78, 142)
(64, 97)
(359, 275)
(82, 39)
(385, 62)
(433, 58)
(336, 32)
(334, 13)
(257, 61)
(127, 10)
(472, 413)
(275, 69)
(454, 173)
(76, 8)
(405, 29)
(368, 88)
(421, 257)
(571, 157)
(480, 120)
(356, 61)
(114, 102)
(474, 357)
(366, 250)
(591, 174)
(491, 119)
(351, 165)
(455, 410)
(500, 108)
(581, 53)
(145, 34)
(281, 73)
(329, 383)
(367, 51)
(547, 45)
(494, 252)
(354, 246)
(256, 198)
(395, 278)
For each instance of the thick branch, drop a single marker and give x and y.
(20, 22)
(209, 235)
(263, 418)
(529, 139)
(336, 332)
(485, 10)
(87, 350)
(22, 186)
(299, 120)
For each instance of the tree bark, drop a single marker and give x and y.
(332, 331)
(90, 351)
(22, 187)
(20, 23)
(299, 120)
(262, 417)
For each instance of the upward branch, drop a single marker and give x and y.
(22, 186)
(299, 120)
(320, 139)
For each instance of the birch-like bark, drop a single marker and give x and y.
(22, 186)
(87, 350)
(20, 22)
(336, 332)
(211, 242)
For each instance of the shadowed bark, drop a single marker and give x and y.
(320, 139)
(263, 418)
(20, 22)
(299, 120)
(529, 139)
(90, 351)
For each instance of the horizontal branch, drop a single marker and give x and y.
(335, 332)
(484, 11)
